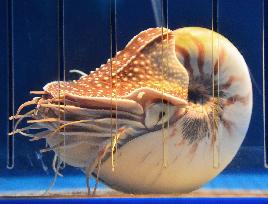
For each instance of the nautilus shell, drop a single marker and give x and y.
(165, 115)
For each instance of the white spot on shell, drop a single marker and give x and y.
(140, 95)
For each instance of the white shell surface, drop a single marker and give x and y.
(139, 164)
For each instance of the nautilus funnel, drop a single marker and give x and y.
(149, 119)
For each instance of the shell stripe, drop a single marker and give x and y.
(231, 80)
(228, 124)
(186, 59)
(237, 98)
(219, 62)
(201, 54)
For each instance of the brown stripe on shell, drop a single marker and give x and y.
(192, 151)
(232, 79)
(237, 98)
(219, 62)
(186, 59)
(193, 148)
(227, 124)
(180, 143)
(201, 54)
(173, 132)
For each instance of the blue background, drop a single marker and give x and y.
(87, 46)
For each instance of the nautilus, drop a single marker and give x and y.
(164, 115)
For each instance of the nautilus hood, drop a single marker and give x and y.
(147, 69)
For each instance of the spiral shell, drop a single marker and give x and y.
(207, 56)
(178, 103)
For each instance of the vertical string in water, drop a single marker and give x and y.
(11, 85)
(115, 39)
(61, 60)
(264, 25)
(113, 50)
(215, 139)
(167, 68)
(111, 80)
(116, 134)
(163, 69)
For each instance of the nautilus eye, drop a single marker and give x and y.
(158, 113)
(161, 105)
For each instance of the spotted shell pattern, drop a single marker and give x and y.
(135, 67)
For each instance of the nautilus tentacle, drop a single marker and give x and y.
(180, 89)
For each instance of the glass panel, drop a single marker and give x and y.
(241, 23)
(133, 108)
(86, 48)
(3, 86)
(33, 59)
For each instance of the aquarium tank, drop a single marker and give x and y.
(116, 98)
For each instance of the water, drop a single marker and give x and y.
(86, 45)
